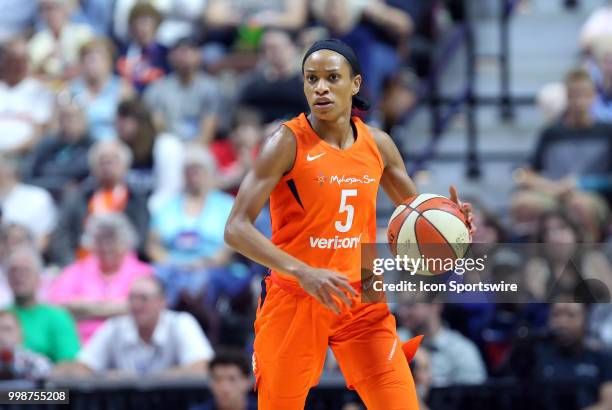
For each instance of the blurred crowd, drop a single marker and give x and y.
(127, 126)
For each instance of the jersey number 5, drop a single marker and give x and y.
(349, 209)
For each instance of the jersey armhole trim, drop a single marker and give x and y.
(289, 174)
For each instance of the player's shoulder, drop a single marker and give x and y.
(379, 136)
(278, 151)
(383, 141)
(282, 140)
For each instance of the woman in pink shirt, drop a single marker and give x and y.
(96, 287)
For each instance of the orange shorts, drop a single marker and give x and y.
(292, 334)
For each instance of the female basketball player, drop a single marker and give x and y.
(321, 172)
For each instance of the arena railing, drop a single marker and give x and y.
(443, 108)
(498, 394)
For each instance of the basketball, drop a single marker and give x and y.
(429, 227)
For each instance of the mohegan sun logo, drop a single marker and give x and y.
(321, 178)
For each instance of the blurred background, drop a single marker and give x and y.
(126, 127)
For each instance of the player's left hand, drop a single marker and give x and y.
(465, 207)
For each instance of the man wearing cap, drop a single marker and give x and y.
(321, 171)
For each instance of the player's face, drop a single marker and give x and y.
(328, 84)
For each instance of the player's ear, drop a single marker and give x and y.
(356, 84)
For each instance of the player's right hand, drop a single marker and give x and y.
(323, 285)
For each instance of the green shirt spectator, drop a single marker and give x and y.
(48, 330)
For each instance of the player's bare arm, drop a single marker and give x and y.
(276, 159)
(395, 180)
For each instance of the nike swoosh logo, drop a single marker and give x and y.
(309, 158)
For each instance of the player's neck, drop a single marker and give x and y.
(338, 133)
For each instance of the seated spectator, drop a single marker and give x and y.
(25, 204)
(12, 237)
(602, 77)
(234, 23)
(275, 89)
(16, 361)
(156, 158)
(561, 356)
(186, 240)
(107, 191)
(48, 330)
(571, 166)
(186, 102)
(98, 89)
(54, 49)
(97, 286)
(25, 104)
(563, 264)
(399, 96)
(235, 155)
(382, 26)
(59, 162)
(454, 358)
(143, 60)
(597, 26)
(230, 383)
(181, 19)
(17, 18)
(149, 341)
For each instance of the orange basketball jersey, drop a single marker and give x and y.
(325, 207)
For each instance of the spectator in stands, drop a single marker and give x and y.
(181, 19)
(157, 158)
(143, 60)
(149, 341)
(571, 166)
(230, 383)
(12, 237)
(564, 267)
(454, 358)
(25, 104)
(562, 356)
(375, 30)
(186, 102)
(597, 26)
(98, 89)
(235, 155)
(109, 162)
(54, 49)
(17, 18)
(602, 77)
(398, 98)
(17, 362)
(59, 162)
(275, 90)
(97, 286)
(48, 330)
(186, 240)
(239, 23)
(25, 204)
